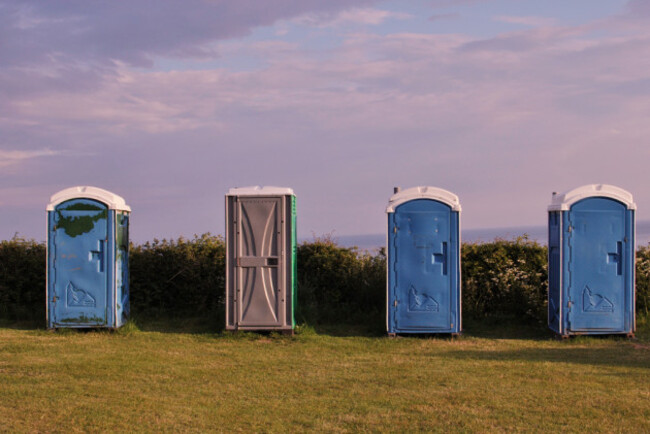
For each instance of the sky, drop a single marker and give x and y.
(169, 104)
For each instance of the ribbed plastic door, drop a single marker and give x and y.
(79, 252)
(597, 243)
(422, 266)
(259, 261)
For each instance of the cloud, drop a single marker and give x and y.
(638, 8)
(12, 157)
(531, 21)
(413, 83)
(501, 121)
(447, 3)
(137, 31)
(355, 16)
(405, 82)
(441, 17)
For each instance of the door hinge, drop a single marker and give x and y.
(394, 229)
(395, 303)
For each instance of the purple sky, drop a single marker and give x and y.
(169, 104)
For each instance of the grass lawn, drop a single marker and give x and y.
(154, 379)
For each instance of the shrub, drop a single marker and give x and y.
(340, 285)
(336, 285)
(22, 279)
(643, 281)
(505, 279)
(178, 277)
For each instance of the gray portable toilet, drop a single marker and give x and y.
(87, 259)
(423, 262)
(591, 261)
(260, 259)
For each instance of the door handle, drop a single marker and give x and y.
(441, 258)
(99, 255)
(617, 257)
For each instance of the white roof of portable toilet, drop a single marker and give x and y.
(562, 202)
(423, 192)
(113, 201)
(256, 190)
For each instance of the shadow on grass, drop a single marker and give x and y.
(208, 325)
(348, 330)
(188, 325)
(161, 324)
(633, 355)
(505, 328)
(491, 329)
(23, 324)
(214, 325)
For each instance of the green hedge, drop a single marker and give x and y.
(643, 281)
(505, 279)
(340, 285)
(22, 280)
(178, 277)
(336, 285)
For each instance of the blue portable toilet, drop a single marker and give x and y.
(87, 259)
(423, 262)
(591, 260)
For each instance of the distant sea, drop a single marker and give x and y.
(536, 233)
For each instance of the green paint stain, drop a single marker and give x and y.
(79, 225)
(82, 319)
(122, 232)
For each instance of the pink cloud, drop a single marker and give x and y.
(531, 21)
(441, 17)
(14, 157)
(501, 121)
(135, 32)
(358, 16)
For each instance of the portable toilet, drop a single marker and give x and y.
(423, 262)
(260, 259)
(87, 259)
(591, 260)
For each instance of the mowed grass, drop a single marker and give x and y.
(494, 379)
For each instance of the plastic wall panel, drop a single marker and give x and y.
(122, 306)
(591, 280)
(554, 271)
(423, 268)
(82, 266)
(260, 265)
